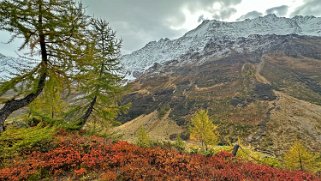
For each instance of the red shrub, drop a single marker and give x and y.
(124, 161)
(80, 171)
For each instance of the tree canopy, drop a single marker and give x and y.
(203, 130)
(68, 48)
(298, 157)
(99, 78)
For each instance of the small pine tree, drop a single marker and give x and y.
(203, 130)
(142, 136)
(179, 143)
(298, 157)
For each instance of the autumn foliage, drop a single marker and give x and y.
(76, 156)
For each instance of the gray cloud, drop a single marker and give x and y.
(310, 7)
(224, 13)
(250, 15)
(279, 11)
(140, 21)
(201, 18)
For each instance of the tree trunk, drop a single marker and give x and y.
(235, 149)
(88, 112)
(300, 161)
(14, 105)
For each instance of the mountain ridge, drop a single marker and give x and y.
(212, 31)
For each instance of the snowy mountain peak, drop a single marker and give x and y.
(213, 30)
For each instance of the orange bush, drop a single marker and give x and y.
(77, 155)
(80, 171)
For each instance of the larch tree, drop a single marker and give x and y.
(51, 31)
(99, 76)
(51, 103)
(142, 137)
(298, 157)
(203, 130)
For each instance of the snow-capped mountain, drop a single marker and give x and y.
(219, 32)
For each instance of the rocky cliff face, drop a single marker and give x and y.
(262, 87)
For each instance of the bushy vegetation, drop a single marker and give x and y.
(18, 141)
(76, 157)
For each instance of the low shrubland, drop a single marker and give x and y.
(77, 156)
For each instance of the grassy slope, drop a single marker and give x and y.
(266, 124)
(159, 127)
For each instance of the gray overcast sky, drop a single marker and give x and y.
(139, 21)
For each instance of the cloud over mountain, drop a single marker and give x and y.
(310, 7)
(250, 15)
(141, 21)
(279, 11)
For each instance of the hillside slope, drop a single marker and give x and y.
(268, 93)
(158, 127)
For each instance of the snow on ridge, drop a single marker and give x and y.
(196, 39)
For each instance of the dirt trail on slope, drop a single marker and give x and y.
(262, 126)
(288, 119)
(258, 75)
